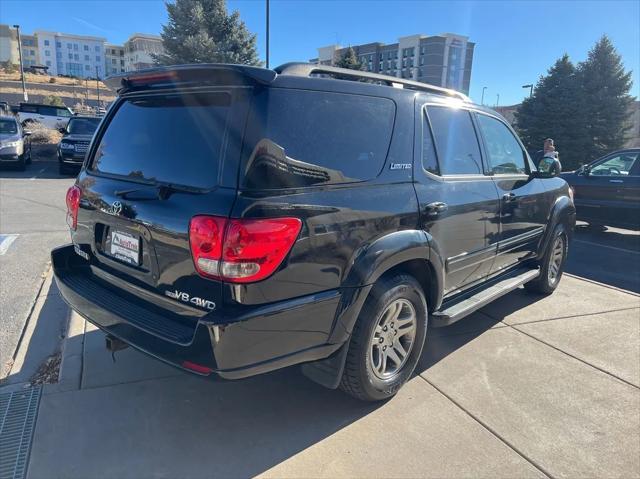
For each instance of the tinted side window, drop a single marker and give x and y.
(62, 112)
(429, 159)
(47, 110)
(308, 138)
(29, 108)
(505, 155)
(456, 142)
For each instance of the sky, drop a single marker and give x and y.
(516, 41)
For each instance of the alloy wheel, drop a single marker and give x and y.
(556, 259)
(392, 339)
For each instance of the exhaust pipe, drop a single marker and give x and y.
(114, 344)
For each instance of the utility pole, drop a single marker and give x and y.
(267, 33)
(98, 86)
(24, 88)
(497, 99)
(482, 100)
(530, 87)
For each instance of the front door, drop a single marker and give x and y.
(523, 206)
(458, 203)
(605, 194)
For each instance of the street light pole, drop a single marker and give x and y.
(267, 33)
(530, 87)
(497, 99)
(482, 100)
(24, 88)
(98, 86)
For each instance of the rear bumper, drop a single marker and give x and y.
(251, 342)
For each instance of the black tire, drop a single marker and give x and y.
(361, 379)
(550, 270)
(22, 164)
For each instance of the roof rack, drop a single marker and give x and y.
(307, 69)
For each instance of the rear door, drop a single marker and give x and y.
(523, 205)
(156, 161)
(459, 205)
(606, 193)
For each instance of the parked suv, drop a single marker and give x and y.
(74, 143)
(232, 220)
(48, 115)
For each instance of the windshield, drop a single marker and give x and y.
(83, 126)
(8, 127)
(175, 139)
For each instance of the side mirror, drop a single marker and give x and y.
(62, 130)
(26, 133)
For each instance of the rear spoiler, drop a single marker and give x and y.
(189, 75)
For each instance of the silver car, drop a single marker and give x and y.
(14, 147)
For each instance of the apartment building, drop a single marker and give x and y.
(139, 50)
(443, 60)
(76, 55)
(113, 59)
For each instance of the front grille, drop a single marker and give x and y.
(82, 146)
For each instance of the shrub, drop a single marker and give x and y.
(53, 100)
(40, 134)
(52, 80)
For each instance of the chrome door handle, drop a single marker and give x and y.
(616, 181)
(435, 208)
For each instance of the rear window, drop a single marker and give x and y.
(308, 138)
(175, 139)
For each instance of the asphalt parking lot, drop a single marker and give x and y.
(530, 386)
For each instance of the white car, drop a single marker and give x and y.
(53, 117)
(15, 148)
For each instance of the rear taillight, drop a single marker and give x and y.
(73, 203)
(240, 250)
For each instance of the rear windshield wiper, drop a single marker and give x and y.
(162, 191)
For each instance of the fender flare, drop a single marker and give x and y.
(563, 211)
(371, 262)
(375, 259)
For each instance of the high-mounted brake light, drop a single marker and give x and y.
(73, 204)
(151, 78)
(240, 250)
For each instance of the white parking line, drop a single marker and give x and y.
(600, 245)
(5, 242)
(39, 172)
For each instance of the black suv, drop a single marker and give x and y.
(74, 143)
(232, 220)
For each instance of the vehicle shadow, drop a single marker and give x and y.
(610, 256)
(42, 339)
(38, 169)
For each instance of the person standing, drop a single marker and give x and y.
(546, 160)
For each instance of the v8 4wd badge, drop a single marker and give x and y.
(184, 297)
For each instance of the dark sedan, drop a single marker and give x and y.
(607, 190)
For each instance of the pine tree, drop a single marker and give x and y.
(604, 89)
(552, 111)
(201, 31)
(349, 60)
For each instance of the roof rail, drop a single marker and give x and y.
(307, 69)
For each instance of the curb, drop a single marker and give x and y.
(70, 375)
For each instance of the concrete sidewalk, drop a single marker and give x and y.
(528, 387)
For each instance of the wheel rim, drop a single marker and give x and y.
(392, 339)
(555, 260)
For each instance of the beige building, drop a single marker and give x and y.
(8, 44)
(633, 135)
(114, 59)
(138, 51)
